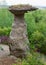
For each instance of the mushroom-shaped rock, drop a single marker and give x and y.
(21, 9)
(18, 35)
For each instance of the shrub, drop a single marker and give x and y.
(32, 60)
(36, 40)
(36, 20)
(43, 47)
(4, 35)
(36, 28)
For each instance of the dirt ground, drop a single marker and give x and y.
(10, 60)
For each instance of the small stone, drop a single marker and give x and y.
(4, 50)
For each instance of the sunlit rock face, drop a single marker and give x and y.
(18, 35)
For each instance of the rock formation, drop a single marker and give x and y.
(18, 35)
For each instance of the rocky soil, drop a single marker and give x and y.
(6, 58)
(9, 60)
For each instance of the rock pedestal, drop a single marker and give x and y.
(18, 35)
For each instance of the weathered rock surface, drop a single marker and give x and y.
(4, 50)
(18, 35)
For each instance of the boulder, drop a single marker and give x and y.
(4, 50)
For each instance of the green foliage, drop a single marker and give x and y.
(36, 28)
(32, 25)
(14, 64)
(43, 47)
(6, 18)
(36, 40)
(32, 59)
(5, 31)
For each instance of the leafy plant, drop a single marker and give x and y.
(36, 40)
(32, 59)
(5, 31)
(36, 28)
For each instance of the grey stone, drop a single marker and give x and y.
(4, 50)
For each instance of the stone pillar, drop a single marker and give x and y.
(18, 35)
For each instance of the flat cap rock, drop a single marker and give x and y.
(21, 8)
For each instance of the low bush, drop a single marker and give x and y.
(36, 40)
(33, 59)
(36, 28)
(43, 48)
(5, 31)
(4, 35)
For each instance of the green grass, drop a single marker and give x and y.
(6, 18)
